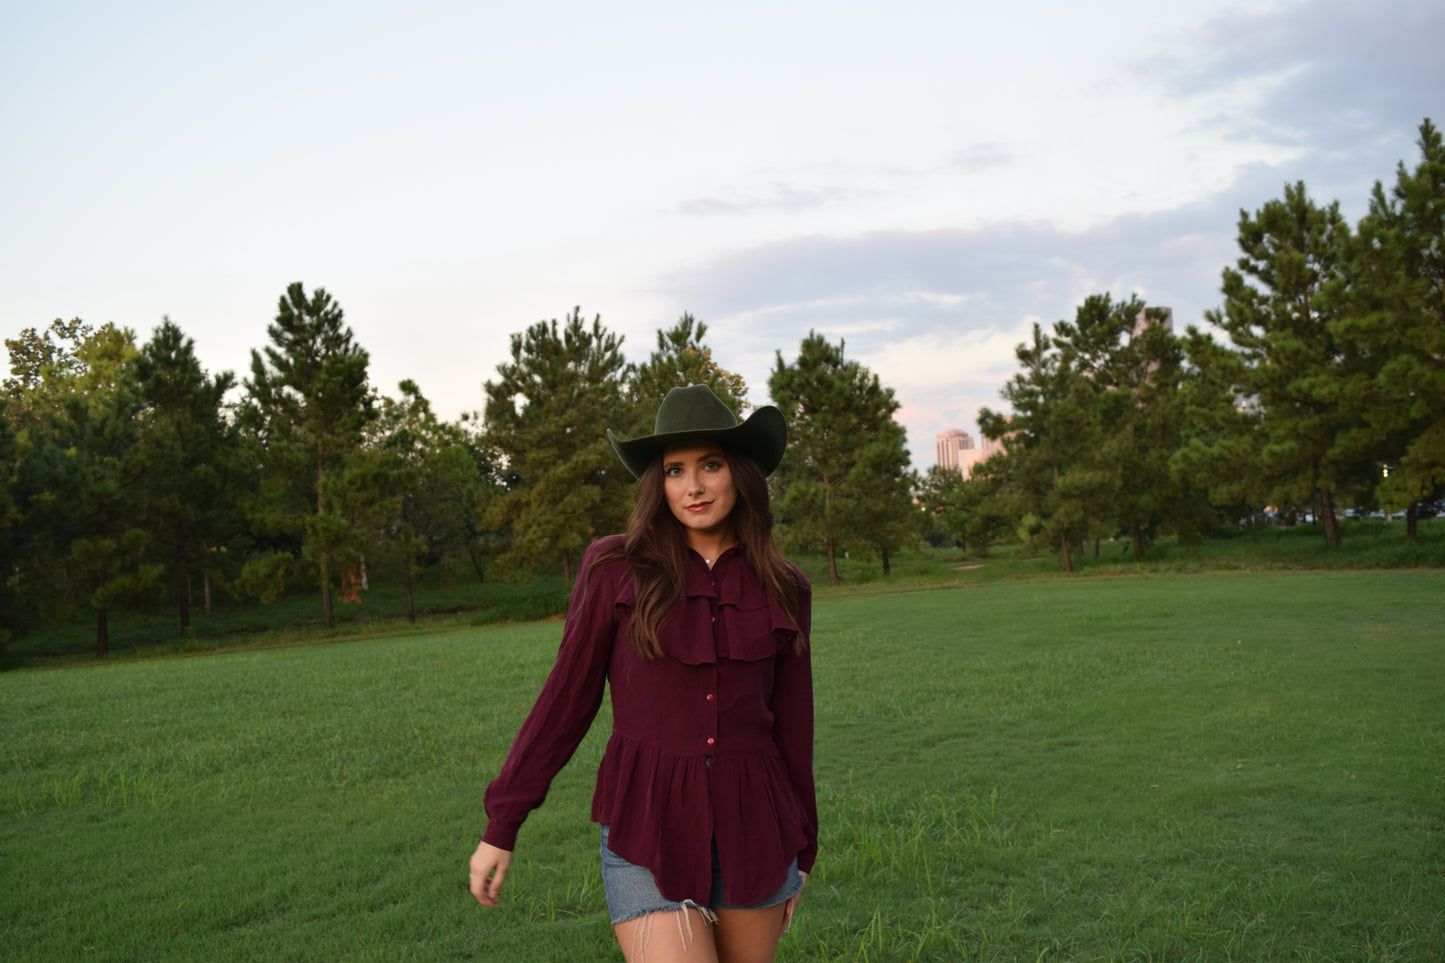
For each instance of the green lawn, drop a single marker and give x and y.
(1162, 767)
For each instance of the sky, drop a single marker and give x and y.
(923, 180)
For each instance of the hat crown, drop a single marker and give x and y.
(693, 408)
(692, 415)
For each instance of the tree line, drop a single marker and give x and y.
(1328, 394)
(131, 474)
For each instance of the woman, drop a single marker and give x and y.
(705, 793)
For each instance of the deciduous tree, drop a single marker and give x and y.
(430, 473)
(80, 485)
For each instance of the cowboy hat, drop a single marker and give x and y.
(694, 413)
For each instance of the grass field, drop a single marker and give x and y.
(1171, 766)
(451, 597)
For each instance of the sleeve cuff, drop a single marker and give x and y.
(501, 836)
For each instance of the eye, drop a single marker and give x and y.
(672, 471)
(712, 464)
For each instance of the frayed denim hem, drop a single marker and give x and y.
(707, 914)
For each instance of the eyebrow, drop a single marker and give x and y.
(705, 456)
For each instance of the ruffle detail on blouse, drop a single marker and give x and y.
(687, 634)
(642, 790)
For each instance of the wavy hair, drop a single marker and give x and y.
(656, 544)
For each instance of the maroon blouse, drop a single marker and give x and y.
(713, 741)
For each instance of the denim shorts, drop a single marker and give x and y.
(632, 891)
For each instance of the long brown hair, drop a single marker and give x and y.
(656, 545)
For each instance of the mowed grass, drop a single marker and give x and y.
(1170, 767)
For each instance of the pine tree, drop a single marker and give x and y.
(10, 613)
(1280, 310)
(1398, 321)
(681, 359)
(845, 482)
(308, 402)
(1220, 438)
(546, 420)
(1132, 363)
(190, 454)
(1060, 480)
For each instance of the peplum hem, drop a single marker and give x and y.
(644, 792)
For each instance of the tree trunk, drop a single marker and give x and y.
(1096, 548)
(325, 565)
(326, 589)
(1064, 547)
(566, 569)
(885, 562)
(832, 563)
(206, 590)
(1412, 518)
(102, 633)
(1138, 541)
(183, 600)
(410, 604)
(1327, 515)
(1253, 528)
(477, 566)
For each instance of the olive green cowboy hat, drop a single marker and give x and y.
(694, 414)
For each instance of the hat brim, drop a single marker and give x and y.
(763, 437)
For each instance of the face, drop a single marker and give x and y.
(698, 485)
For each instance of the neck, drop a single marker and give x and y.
(710, 546)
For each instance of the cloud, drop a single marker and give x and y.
(1341, 79)
(981, 157)
(948, 359)
(937, 314)
(777, 196)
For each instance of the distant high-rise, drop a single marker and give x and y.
(951, 446)
(1165, 317)
(955, 450)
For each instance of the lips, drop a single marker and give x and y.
(699, 507)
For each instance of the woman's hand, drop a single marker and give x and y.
(488, 870)
(792, 904)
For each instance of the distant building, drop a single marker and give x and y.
(950, 448)
(1143, 320)
(955, 450)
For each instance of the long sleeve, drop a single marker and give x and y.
(565, 709)
(793, 726)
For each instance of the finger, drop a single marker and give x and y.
(494, 891)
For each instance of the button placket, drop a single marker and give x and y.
(710, 699)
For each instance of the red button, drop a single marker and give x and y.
(711, 740)
(709, 697)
